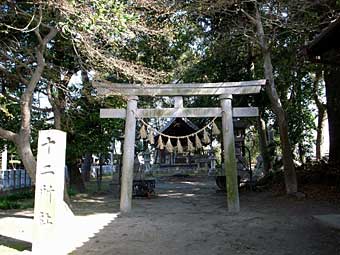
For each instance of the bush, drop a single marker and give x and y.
(17, 200)
(71, 192)
(6, 205)
(26, 194)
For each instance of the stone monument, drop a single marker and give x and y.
(50, 209)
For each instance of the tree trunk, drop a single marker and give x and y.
(262, 130)
(57, 118)
(25, 152)
(289, 169)
(56, 107)
(319, 129)
(22, 139)
(301, 153)
(67, 198)
(100, 173)
(261, 124)
(76, 179)
(321, 113)
(86, 167)
(332, 81)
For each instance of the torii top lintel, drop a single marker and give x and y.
(105, 88)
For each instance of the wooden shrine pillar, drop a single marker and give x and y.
(128, 155)
(230, 166)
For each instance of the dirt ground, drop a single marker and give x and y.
(188, 216)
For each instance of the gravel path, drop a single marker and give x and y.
(188, 216)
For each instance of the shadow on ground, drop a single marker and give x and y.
(16, 244)
(188, 216)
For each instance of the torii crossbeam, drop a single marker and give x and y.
(225, 90)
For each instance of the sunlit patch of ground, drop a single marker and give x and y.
(185, 217)
(176, 195)
(16, 231)
(75, 231)
(4, 250)
(16, 227)
(82, 228)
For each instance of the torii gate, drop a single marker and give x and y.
(225, 90)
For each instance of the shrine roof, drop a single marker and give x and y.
(179, 126)
(328, 40)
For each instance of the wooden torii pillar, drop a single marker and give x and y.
(223, 89)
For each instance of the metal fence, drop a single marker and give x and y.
(14, 179)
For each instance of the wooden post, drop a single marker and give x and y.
(128, 155)
(25, 181)
(4, 159)
(229, 154)
(14, 178)
(19, 177)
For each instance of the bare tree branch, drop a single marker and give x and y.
(8, 135)
(26, 29)
(251, 18)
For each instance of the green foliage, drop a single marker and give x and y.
(20, 195)
(109, 19)
(9, 114)
(87, 132)
(140, 41)
(295, 85)
(7, 205)
(17, 200)
(226, 49)
(71, 192)
(252, 143)
(87, 26)
(104, 34)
